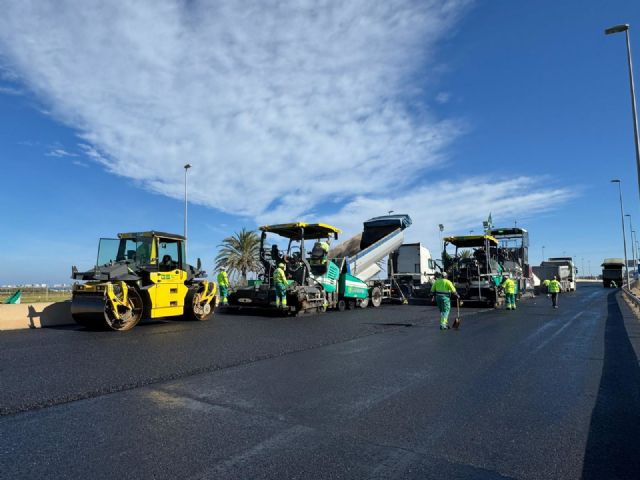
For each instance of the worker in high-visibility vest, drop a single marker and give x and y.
(545, 284)
(223, 283)
(509, 287)
(443, 289)
(554, 290)
(280, 282)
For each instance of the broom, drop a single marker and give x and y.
(456, 322)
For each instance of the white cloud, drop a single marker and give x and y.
(5, 90)
(281, 108)
(59, 153)
(457, 205)
(443, 97)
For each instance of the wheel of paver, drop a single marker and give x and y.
(129, 318)
(341, 305)
(364, 302)
(376, 297)
(193, 310)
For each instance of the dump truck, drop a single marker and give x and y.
(474, 268)
(140, 275)
(413, 268)
(363, 255)
(612, 271)
(570, 279)
(560, 268)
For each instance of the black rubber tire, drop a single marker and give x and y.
(364, 302)
(341, 305)
(376, 297)
(189, 307)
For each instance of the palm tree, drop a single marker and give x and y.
(240, 254)
(465, 254)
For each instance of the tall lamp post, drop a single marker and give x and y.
(441, 228)
(625, 28)
(633, 252)
(186, 169)
(543, 253)
(624, 235)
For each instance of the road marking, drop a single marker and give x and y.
(557, 332)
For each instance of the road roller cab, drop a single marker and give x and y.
(141, 275)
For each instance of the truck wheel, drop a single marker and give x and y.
(341, 305)
(364, 302)
(376, 297)
(193, 309)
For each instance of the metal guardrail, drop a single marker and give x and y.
(635, 299)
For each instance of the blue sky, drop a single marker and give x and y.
(444, 109)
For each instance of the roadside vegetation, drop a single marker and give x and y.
(240, 255)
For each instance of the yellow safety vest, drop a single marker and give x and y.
(443, 286)
(223, 279)
(509, 286)
(554, 286)
(279, 276)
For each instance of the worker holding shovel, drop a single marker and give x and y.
(443, 289)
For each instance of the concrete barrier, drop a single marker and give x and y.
(35, 315)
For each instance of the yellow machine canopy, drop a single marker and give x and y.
(293, 231)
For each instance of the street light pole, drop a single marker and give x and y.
(543, 253)
(633, 252)
(186, 168)
(624, 235)
(625, 28)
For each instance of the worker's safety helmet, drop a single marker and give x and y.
(281, 265)
(444, 275)
(555, 277)
(223, 268)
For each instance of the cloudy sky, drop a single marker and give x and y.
(315, 110)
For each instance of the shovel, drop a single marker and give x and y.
(456, 322)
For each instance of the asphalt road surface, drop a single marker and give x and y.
(375, 393)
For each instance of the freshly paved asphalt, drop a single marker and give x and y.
(376, 393)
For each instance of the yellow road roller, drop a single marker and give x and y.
(140, 275)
